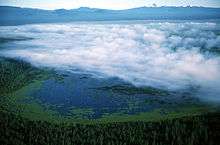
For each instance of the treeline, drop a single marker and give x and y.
(197, 130)
(14, 74)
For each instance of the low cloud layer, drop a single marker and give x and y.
(173, 56)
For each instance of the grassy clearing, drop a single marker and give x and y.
(131, 90)
(81, 113)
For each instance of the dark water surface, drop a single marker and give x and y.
(105, 96)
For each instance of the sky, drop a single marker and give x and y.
(106, 4)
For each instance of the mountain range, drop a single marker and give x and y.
(17, 16)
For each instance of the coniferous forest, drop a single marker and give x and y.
(197, 130)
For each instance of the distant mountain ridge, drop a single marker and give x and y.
(17, 16)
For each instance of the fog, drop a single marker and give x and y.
(172, 56)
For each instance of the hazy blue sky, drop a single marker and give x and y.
(107, 4)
